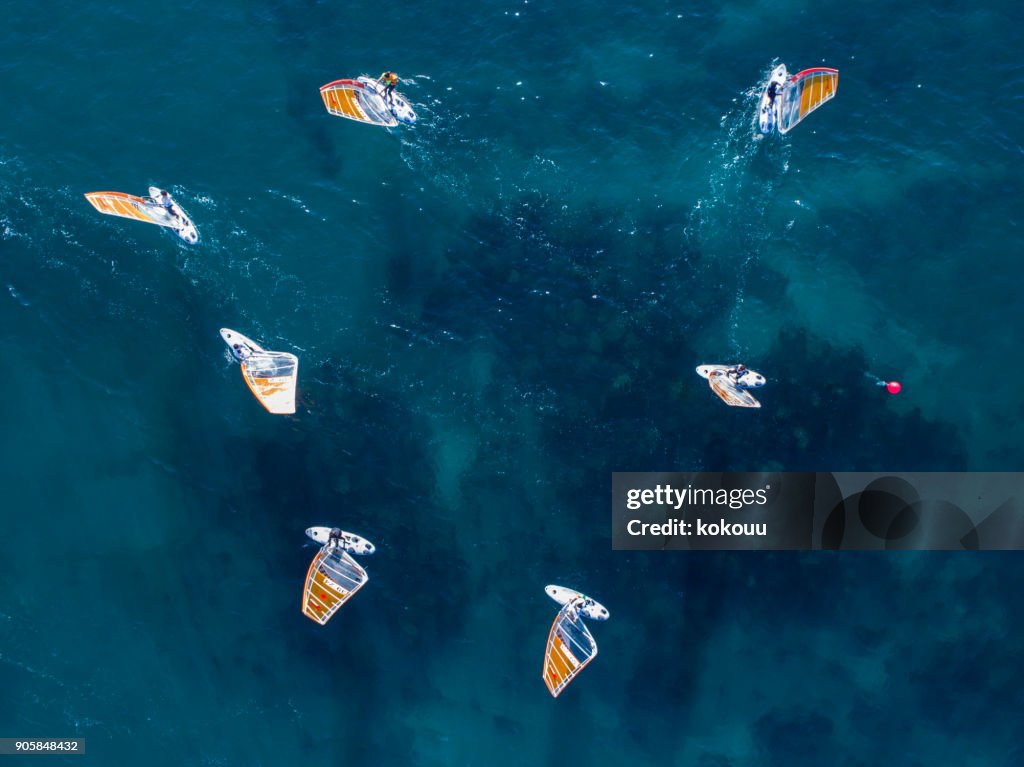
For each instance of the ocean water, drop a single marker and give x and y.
(493, 311)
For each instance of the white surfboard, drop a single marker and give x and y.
(768, 114)
(236, 341)
(593, 609)
(349, 541)
(750, 379)
(181, 224)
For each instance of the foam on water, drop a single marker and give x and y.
(744, 173)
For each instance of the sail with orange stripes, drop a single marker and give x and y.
(730, 393)
(124, 205)
(570, 646)
(334, 576)
(272, 377)
(803, 93)
(356, 100)
(149, 210)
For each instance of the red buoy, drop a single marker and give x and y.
(893, 387)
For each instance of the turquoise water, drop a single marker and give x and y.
(494, 310)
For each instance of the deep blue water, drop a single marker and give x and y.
(493, 311)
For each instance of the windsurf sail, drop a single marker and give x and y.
(272, 377)
(332, 579)
(570, 648)
(730, 393)
(130, 206)
(355, 101)
(803, 93)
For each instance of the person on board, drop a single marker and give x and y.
(389, 80)
(773, 89)
(242, 351)
(336, 537)
(165, 202)
(736, 372)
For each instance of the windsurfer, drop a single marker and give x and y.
(389, 80)
(736, 372)
(583, 604)
(165, 202)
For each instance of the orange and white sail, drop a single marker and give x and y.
(333, 578)
(353, 100)
(128, 206)
(147, 210)
(570, 648)
(272, 377)
(731, 394)
(803, 93)
(570, 644)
